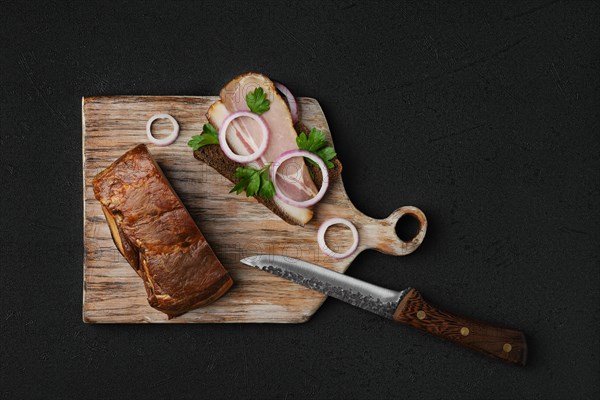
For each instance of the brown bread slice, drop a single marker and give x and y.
(214, 157)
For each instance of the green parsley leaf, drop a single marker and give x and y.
(267, 190)
(254, 182)
(316, 142)
(253, 185)
(209, 129)
(301, 141)
(199, 141)
(313, 142)
(244, 172)
(209, 136)
(327, 154)
(240, 186)
(257, 101)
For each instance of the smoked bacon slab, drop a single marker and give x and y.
(155, 233)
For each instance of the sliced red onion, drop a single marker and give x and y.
(321, 237)
(223, 137)
(286, 155)
(291, 100)
(167, 140)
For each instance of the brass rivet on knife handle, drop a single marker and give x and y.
(505, 344)
(421, 314)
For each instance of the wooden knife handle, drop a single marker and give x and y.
(505, 344)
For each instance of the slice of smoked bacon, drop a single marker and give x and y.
(293, 177)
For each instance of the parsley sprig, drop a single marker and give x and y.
(209, 136)
(254, 182)
(316, 142)
(257, 101)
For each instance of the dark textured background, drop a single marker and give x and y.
(485, 116)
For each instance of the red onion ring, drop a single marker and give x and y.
(223, 137)
(291, 100)
(286, 155)
(167, 140)
(321, 237)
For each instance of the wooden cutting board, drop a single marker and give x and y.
(235, 226)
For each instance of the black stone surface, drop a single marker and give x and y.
(485, 115)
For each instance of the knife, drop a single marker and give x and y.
(407, 307)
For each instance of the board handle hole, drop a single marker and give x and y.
(407, 227)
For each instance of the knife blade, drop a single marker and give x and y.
(406, 306)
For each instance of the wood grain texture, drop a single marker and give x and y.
(502, 343)
(235, 226)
